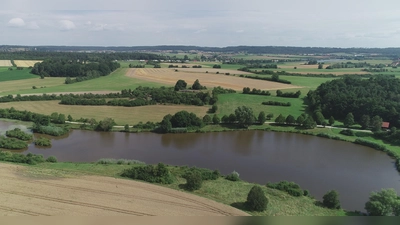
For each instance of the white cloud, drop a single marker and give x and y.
(239, 31)
(32, 26)
(99, 27)
(66, 25)
(16, 22)
(88, 23)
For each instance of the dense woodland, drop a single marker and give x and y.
(72, 68)
(376, 96)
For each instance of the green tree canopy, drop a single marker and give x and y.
(244, 116)
(256, 199)
(383, 203)
(348, 120)
(331, 200)
(180, 85)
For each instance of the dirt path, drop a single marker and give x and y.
(93, 195)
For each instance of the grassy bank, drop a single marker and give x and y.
(220, 190)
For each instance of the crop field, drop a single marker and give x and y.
(26, 63)
(9, 75)
(169, 77)
(121, 115)
(30, 191)
(5, 63)
(113, 82)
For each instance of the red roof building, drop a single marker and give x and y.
(385, 125)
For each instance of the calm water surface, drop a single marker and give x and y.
(317, 164)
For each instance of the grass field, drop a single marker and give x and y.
(227, 104)
(121, 115)
(113, 82)
(9, 75)
(25, 63)
(169, 77)
(5, 63)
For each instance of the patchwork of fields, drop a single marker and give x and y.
(169, 77)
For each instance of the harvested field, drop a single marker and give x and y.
(5, 63)
(35, 192)
(25, 63)
(121, 115)
(169, 77)
(210, 70)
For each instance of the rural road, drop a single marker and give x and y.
(38, 192)
(319, 126)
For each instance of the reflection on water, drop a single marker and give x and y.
(317, 164)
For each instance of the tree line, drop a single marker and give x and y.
(254, 91)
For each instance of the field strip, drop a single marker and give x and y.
(25, 63)
(76, 203)
(5, 63)
(114, 194)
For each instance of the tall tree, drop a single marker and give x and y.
(331, 121)
(376, 123)
(290, 119)
(331, 200)
(348, 120)
(280, 119)
(180, 85)
(216, 119)
(244, 116)
(261, 117)
(365, 121)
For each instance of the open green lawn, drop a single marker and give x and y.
(227, 104)
(9, 75)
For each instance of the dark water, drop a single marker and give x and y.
(317, 164)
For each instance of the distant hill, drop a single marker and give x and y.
(229, 49)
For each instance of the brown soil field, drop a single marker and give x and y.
(25, 193)
(5, 63)
(25, 63)
(169, 76)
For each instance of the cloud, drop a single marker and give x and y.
(99, 27)
(200, 31)
(239, 31)
(16, 22)
(88, 23)
(32, 26)
(66, 25)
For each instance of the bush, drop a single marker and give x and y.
(42, 142)
(11, 143)
(234, 176)
(193, 180)
(149, 173)
(347, 132)
(291, 188)
(51, 159)
(205, 174)
(256, 200)
(50, 130)
(30, 158)
(331, 200)
(19, 134)
(119, 161)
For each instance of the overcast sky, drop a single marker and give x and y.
(219, 23)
